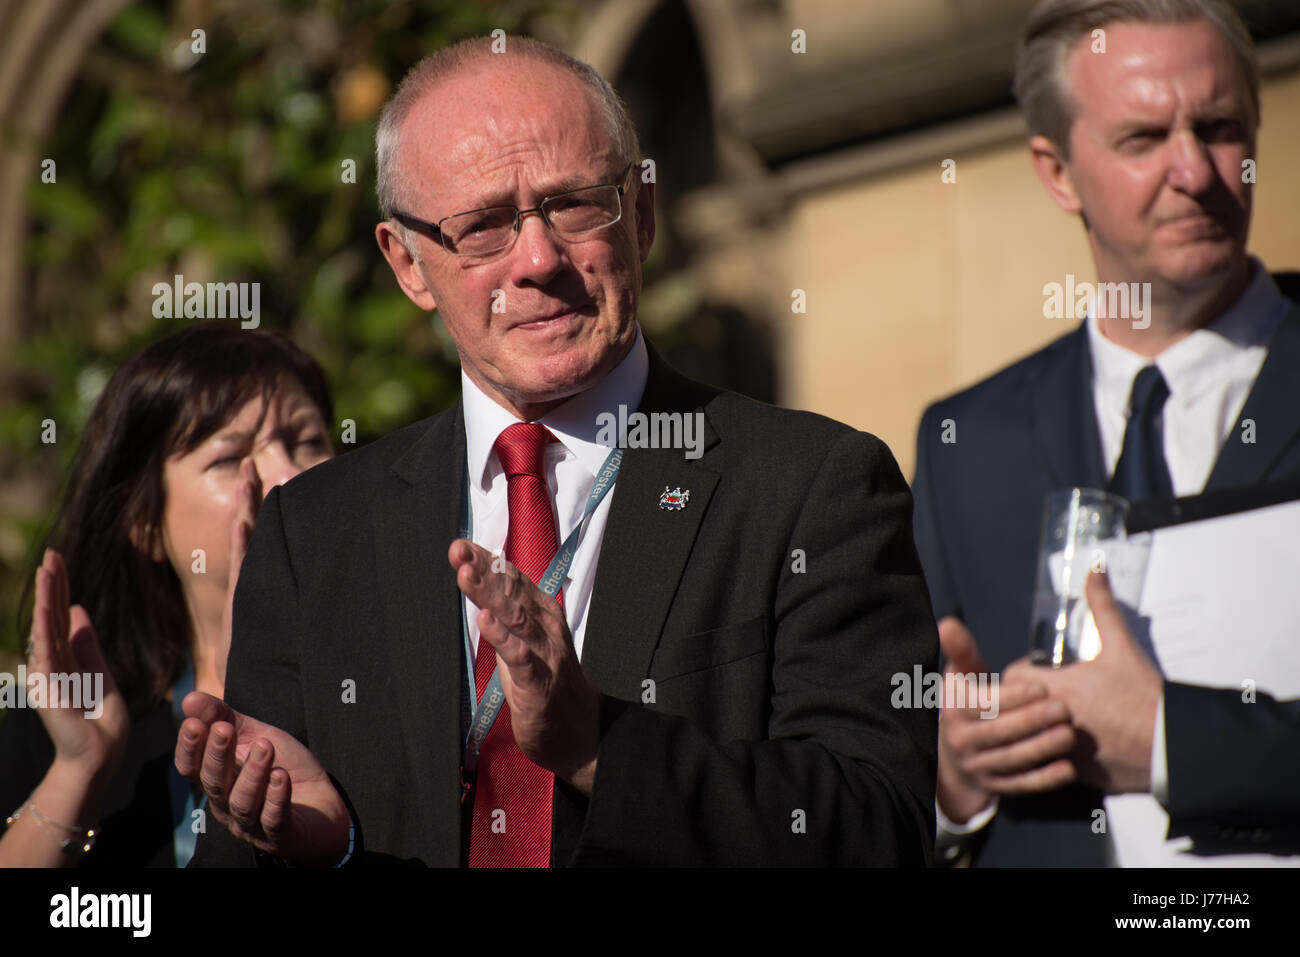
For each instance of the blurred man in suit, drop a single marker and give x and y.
(1143, 115)
(707, 679)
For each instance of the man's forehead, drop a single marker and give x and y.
(1156, 66)
(477, 130)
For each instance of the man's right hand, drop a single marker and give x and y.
(262, 783)
(1022, 750)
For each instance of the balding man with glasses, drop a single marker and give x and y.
(499, 637)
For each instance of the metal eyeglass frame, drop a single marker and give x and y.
(433, 230)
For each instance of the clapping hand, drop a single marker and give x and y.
(262, 783)
(63, 642)
(554, 708)
(1022, 749)
(250, 500)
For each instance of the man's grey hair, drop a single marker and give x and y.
(391, 186)
(1056, 26)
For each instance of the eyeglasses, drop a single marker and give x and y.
(481, 232)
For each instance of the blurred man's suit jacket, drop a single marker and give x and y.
(1032, 428)
(770, 739)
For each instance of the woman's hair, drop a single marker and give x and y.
(164, 401)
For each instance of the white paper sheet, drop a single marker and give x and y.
(1222, 598)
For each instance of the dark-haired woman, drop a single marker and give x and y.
(136, 584)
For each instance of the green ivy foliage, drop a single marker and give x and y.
(224, 165)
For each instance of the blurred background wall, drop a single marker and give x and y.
(827, 178)
(809, 252)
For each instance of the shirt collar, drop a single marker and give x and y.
(573, 422)
(1196, 361)
(1112, 365)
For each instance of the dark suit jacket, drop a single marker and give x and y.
(979, 506)
(772, 685)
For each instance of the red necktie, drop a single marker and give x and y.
(512, 796)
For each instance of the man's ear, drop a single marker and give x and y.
(645, 218)
(409, 274)
(1054, 172)
(146, 539)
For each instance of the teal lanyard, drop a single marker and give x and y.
(181, 789)
(485, 713)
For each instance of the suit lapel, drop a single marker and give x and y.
(1274, 407)
(645, 547)
(1064, 415)
(420, 602)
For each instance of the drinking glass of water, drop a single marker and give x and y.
(1079, 526)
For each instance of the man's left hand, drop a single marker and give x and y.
(554, 708)
(1112, 699)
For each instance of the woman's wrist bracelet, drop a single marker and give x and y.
(80, 839)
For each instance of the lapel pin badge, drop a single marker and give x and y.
(674, 500)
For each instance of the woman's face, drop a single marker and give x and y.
(202, 487)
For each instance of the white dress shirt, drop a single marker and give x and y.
(1209, 373)
(571, 467)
